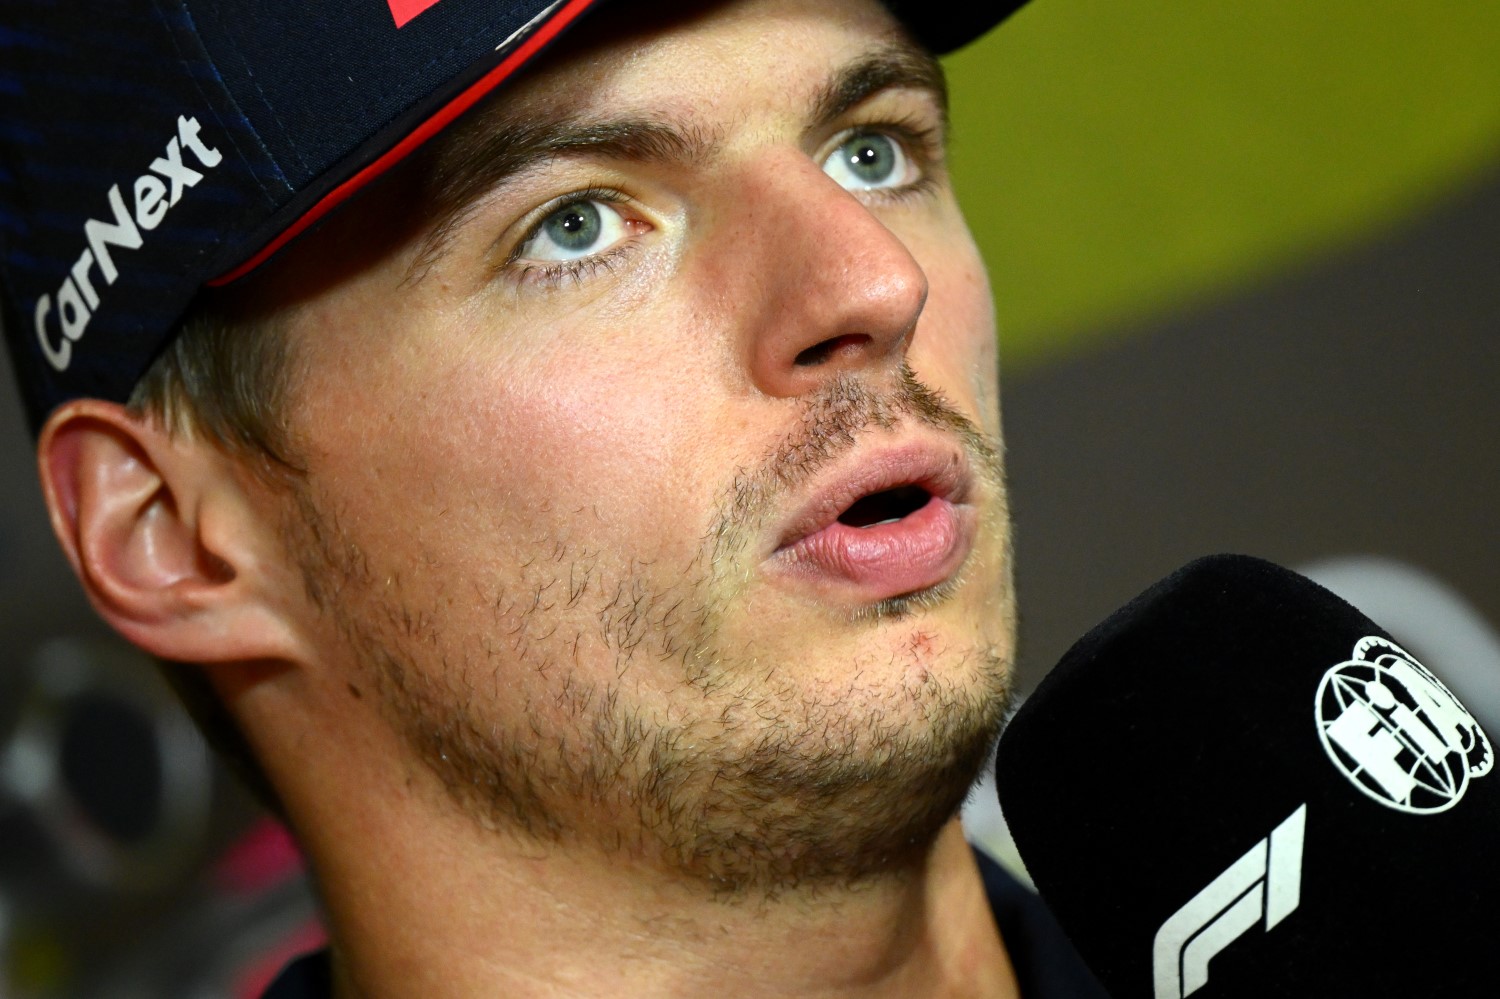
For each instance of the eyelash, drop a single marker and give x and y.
(922, 143)
(545, 274)
(551, 275)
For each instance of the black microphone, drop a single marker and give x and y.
(1239, 786)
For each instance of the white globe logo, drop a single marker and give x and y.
(1396, 732)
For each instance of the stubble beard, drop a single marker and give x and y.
(760, 786)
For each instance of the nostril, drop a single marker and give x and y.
(820, 353)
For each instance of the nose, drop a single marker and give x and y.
(823, 287)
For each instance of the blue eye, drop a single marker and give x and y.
(577, 229)
(868, 161)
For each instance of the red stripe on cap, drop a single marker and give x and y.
(439, 121)
(403, 11)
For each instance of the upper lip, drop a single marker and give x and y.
(941, 469)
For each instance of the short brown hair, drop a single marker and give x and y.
(225, 378)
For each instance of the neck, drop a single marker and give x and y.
(445, 912)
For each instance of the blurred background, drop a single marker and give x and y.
(1246, 261)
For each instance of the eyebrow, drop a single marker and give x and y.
(484, 153)
(895, 67)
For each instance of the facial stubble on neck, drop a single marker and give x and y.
(764, 785)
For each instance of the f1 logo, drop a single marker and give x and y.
(1267, 881)
(405, 10)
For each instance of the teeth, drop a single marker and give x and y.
(882, 523)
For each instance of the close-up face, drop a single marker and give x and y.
(655, 493)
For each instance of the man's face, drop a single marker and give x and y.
(657, 492)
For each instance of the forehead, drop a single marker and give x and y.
(693, 70)
(691, 52)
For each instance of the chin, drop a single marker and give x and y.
(860, 793)
(826, 775)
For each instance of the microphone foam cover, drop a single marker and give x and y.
(1239, 714)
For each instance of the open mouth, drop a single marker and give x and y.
(885, 507)
(883, 541)
(897, 522)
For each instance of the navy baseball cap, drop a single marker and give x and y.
(151, 147)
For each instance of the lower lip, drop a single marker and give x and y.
(919, 551)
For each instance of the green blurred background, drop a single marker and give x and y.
(1118, 160)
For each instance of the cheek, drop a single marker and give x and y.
(459, 433)
(583, 445)
(955, 349)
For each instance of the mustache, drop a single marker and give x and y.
(833, 420)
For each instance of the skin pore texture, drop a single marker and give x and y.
(554, 703)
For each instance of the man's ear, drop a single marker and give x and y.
(171, 545)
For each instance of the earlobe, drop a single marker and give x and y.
(130, 504)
